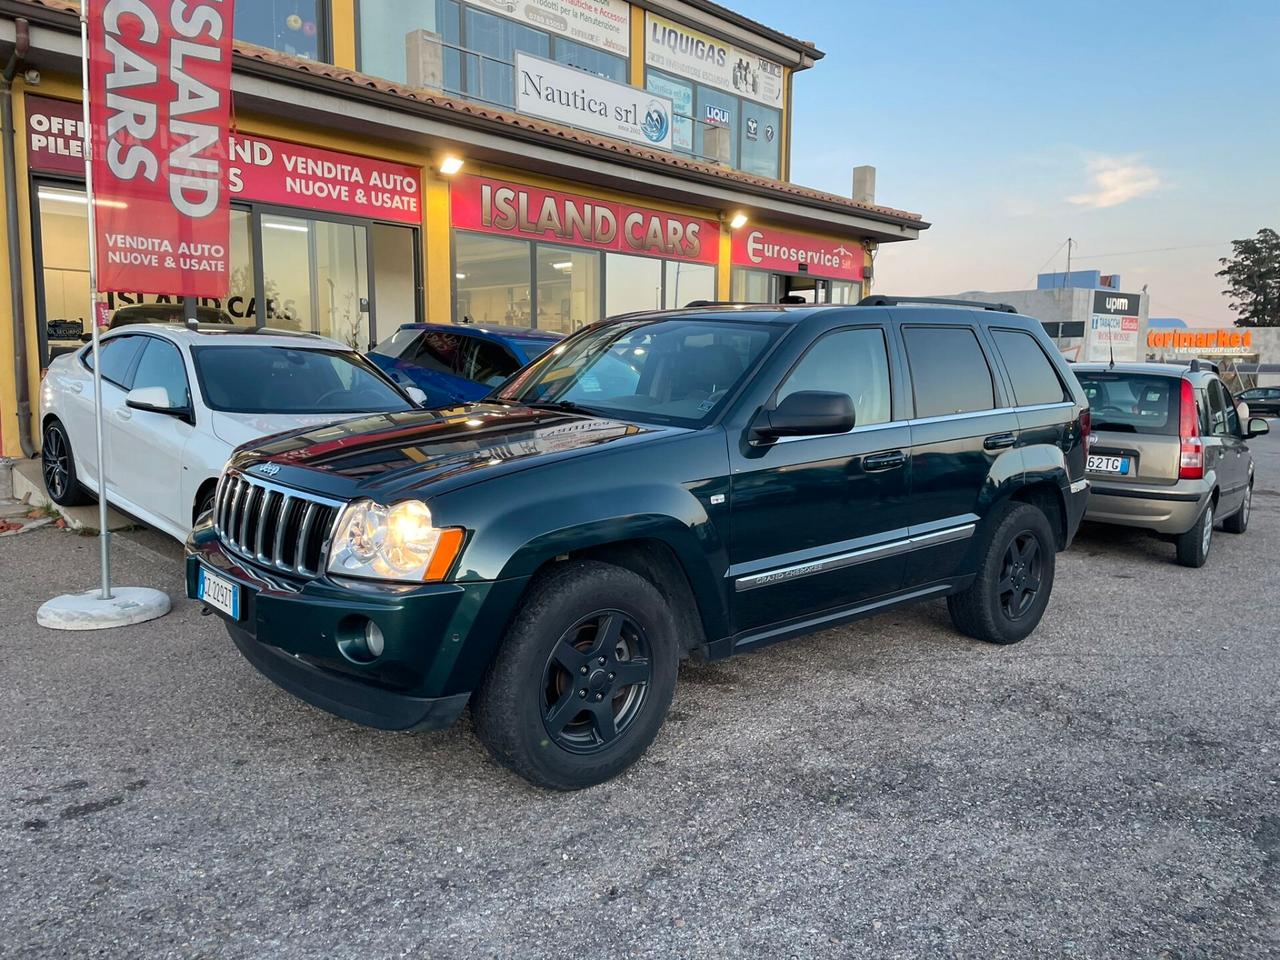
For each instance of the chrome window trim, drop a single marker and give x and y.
(879, 552)
(869, 428)
(969, 415)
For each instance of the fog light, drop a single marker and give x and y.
(374, 642)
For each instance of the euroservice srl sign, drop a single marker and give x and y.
(575, 98)
(780, 251)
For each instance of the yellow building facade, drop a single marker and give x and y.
(456, 168)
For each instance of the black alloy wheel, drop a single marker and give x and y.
(58, 467)
(596, 681)
(1020, 575)
(55, 456)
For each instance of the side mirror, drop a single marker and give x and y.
(1258, 427)
(417, 395)
(156, 400)
(808, 413)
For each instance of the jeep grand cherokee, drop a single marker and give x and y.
(696, 483)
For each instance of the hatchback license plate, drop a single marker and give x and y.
(219, 593)
(1099, 464)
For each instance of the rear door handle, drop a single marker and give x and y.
(878, 462)
(76, 387)
(1001, 441)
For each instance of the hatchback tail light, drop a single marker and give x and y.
(1086, 427)
(1191, 464)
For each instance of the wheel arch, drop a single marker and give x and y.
(659, 549)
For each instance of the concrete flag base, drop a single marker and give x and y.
(88, 611)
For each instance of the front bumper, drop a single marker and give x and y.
(1169, 510)
(438, 638)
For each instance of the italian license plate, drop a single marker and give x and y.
(1099, 464)
(219, 593)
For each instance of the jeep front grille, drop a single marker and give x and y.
(278, 528)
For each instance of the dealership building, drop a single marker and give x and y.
(536, 163)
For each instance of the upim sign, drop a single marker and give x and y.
(160, 105)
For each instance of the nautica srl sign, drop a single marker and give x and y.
(568, 95)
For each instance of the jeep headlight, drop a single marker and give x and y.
(399, 542)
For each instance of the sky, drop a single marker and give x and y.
(1149, 132)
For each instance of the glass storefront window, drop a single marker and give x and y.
(844, 291)
(385, 30)
(64, 256)
(761, 139)
(631, 283)
(491, 78)
(568, 288)
(716, 109)
(241, 302)
(681, 95)
(687, 282)
(751, 286)
(317, 278)
(295, 27)
(493, 280)
(590, 59)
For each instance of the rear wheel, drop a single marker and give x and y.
(583, 679)
(1238, 522)
(1193, 546)
(1008, 598)
(58, 466)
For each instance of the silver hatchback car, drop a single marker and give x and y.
(1168, 452)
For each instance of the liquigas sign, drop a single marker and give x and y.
(160, 106)
(677, 49)
(578, 99)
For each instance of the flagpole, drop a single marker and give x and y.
(104, 535)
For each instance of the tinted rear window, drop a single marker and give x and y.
(949, 371)
(1132, 402)
(1033, 376)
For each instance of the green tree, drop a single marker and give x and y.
(1253, 279)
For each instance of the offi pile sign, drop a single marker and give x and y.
(160, 107)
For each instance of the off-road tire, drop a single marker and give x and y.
(508, 708)
(978, 611)
(1193, 546)
(68, 492)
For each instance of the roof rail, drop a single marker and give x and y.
(877, 301)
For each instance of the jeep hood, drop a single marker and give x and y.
(393, 455)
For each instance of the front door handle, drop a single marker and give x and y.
(879, 462)
(123, 413)
(1001, 441)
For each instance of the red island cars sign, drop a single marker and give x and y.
(160, 108)
(516, 210)
(779, 251)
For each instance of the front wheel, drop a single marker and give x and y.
(1015, 578)
(58, 467)
(1193, 546)
(582, 682)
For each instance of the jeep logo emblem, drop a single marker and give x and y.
(268, 469)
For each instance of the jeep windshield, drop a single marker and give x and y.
(674, 371)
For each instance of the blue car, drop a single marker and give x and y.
(454, 363)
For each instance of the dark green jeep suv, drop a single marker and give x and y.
(696, 483)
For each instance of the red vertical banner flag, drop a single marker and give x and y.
(159, 114)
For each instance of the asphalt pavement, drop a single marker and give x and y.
(1106, 789)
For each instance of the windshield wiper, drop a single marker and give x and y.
(567, 406)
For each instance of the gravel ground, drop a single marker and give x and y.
(1108, 788)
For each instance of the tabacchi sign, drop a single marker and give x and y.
(781, 251)
(160, 106)
(513, 209)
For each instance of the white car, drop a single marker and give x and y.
(177, 401)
